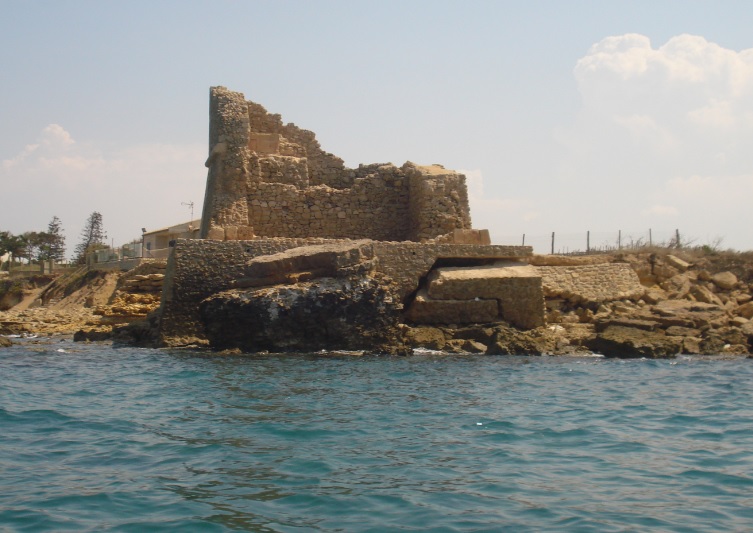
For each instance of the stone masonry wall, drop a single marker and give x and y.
(269, 179)
(225, 205)
(197, 269)
(374, 208)
(596, 283)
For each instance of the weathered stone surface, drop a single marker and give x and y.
(271, 179)
(724, 280)
(703, 294)
(5, 342)
(617, 341)
(591, 284)
(645, 325)
(91, 335)
(517, 287)
(654, 295)
(739, 321)
(474, 347)
(691, 345)
(745, 310)
(677, 286)
(325, 314)
(424, 310)
(198, 269)
(677, 263)
(425, 337)
(680, 331)
(303, 263)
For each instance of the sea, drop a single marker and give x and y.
(101, 438)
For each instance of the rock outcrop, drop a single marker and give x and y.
(325, 297)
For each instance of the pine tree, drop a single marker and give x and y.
(15, 245)
(52, 245)
(92, 237)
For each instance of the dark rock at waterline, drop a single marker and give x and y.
(91, 336)
(323, 314)
(5, 342)
(620, 341)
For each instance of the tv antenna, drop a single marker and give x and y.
(190, 205)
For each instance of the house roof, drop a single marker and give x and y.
(176, 228)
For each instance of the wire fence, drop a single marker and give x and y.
(591, 242)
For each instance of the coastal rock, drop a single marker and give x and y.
(619, 341)
(425, 337)
(323, 314)
(91, 335)
(5, 342)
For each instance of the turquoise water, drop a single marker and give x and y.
(95, 438)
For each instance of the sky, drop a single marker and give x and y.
(613, 118)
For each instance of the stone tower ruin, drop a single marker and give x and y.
(269, 179)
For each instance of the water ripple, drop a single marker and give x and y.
(103, 439)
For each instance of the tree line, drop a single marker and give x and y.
(49, 245)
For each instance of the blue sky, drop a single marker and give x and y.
(566, 116)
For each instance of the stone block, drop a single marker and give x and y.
(470, 236)
(425, 310)
(677, 263)
(724, 280)
(516, 286)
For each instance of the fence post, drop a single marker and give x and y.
(619, 239)
(552, 243)
(588, 241)
(524, 239)
(650, 240)
(677, 238)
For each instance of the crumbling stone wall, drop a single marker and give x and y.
(596, 283)
(269, 179)
(197, 269)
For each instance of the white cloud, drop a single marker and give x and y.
(55, 135)
(663, 135)
(133, 186)
(662, 210)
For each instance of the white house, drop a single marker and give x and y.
(156, 243)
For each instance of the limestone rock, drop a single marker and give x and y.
(677, 286)
(746, 310)
(645, 325)
(702, 294)
(677, 263)
(618, 341)
(654, 295)
(725, 280)
(425, 337)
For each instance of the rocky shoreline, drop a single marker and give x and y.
(696, 305)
